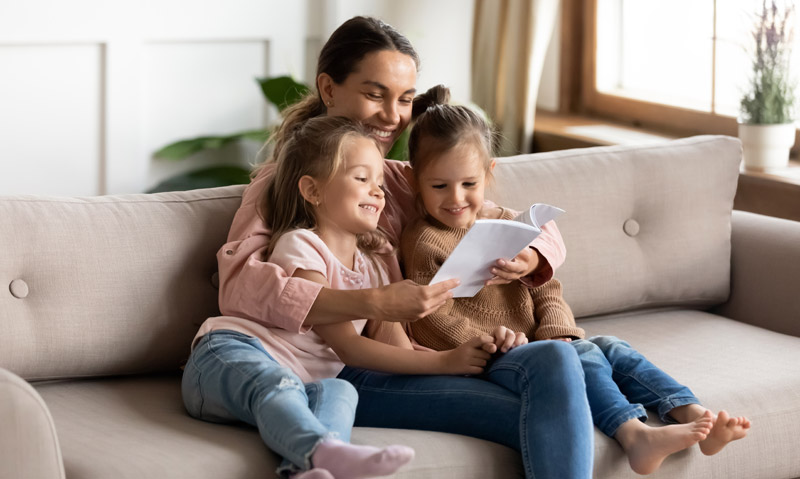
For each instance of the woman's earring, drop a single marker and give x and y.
(329, 103)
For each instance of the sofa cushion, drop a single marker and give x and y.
(743, 369)
(110, 284)
(644, 225)
(137, 428)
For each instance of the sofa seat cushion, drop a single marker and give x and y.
(136, 427)
(729, 365)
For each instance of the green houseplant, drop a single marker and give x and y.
(281, 92)
(767, 107)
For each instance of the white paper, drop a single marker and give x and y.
(486, 242)
(539, 214)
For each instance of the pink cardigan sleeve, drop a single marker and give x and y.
(250, 287)
(551, 246)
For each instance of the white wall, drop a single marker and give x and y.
(89, 89)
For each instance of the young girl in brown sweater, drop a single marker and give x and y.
(450, 155)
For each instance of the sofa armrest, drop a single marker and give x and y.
(28, 442)
(765, 273)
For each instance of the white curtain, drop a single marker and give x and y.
(510, 39)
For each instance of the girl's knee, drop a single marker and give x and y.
(558, 352)
(339, 388)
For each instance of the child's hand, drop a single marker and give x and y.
(470, 357)
(505, 271)
(506, 339)
(562, 338)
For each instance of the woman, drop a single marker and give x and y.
(367, 71)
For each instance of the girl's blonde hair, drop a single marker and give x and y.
(315, 148)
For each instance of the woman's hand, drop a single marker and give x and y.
(469, 358)
(525, 263)
(409, 301)
(506, 339)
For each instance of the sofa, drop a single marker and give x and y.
(103, 295)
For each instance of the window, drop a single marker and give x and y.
(678, 65)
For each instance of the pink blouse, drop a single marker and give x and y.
(305, 353)
(260, 291)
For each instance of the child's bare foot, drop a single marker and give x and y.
(647, 447)
(725, 430)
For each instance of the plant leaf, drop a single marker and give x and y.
(210, 177)
(282, 91)
(399, 150)
(184, 148)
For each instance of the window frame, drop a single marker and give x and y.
(579, 94)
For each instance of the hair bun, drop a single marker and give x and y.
(437, 95)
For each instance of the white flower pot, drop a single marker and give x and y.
(766, 146)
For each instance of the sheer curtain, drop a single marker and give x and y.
(510, 39)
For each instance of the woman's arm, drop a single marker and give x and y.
(362, 352)
(401, 301)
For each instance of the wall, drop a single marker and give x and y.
(89, 89)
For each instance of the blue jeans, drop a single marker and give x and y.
(532, 399)
(230, 377)
(621, 384)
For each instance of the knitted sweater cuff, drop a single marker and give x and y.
(550, 331)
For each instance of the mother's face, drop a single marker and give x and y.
(378, 94)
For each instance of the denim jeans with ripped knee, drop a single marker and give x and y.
(230, 377)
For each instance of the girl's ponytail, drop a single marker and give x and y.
(440, 126)
(438, 95)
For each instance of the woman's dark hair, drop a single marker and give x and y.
(340, 56)
(355, 39)
(440, 126)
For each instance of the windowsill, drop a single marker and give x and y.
(774, 192)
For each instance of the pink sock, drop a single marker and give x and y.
(346, 461)
(316, 473)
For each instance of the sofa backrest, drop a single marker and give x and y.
(645, 226)
(119, 284)
(107, 285)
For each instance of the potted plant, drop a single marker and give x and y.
(766, 124)
(281, 92)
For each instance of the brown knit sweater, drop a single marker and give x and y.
(541, 312)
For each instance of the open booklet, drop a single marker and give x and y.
(489, 240)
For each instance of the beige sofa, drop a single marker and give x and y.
(102, 297)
